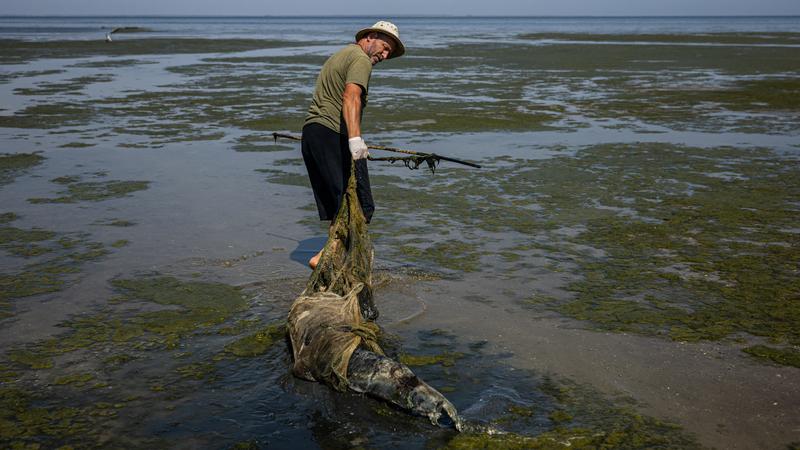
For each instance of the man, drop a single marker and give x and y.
(332, 130)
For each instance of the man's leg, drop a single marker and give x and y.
(315, 259)
(324, 159)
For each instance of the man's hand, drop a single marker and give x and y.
(358, 148)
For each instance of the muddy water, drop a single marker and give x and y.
(622, 272)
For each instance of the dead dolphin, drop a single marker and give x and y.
(332, 343)
(332, 330)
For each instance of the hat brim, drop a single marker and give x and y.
(399, 48)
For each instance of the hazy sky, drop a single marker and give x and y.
(403, 7)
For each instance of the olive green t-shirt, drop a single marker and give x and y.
(348, 65)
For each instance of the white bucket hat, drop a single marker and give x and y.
(389, 29)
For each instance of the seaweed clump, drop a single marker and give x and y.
(257, 343)
(782, 356)
(49, 115)
(94, 191)
(14, 164)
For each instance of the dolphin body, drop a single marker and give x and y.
(387, 379)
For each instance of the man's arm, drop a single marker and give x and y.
(351, 109)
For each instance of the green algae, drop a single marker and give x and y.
(25, 284)
(13, 165)
(257, 343)
(120, 243)
(27, 251)
(197, 371)
(24, 425)
(246, 445)
(286, 178)
(93, 253)
(239, 327)
(115, 223)
(189, 113)
(11, 234)
(754, 95)
(446, 359)
(165, 132)
(451, 254)
(201, 305)
(71, 86)
(78, 379)
(121, 223)
(50, 115)
(32, 359)
(125, 336)
(192, 295)
(8, 217)
(560, 416)
(785, 357)
(14, 51)
(678, 108)
(57, 258)
(521, 411)
(94, 191)
(736, 275)
(76, 144)
(112, 63)
(5, 77)
(693, 38)
(118, 360)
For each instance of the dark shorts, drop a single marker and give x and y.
(327, 157)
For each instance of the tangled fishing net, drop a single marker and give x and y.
(334, 314)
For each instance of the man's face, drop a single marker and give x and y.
(378, 47)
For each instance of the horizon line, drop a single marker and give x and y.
(465, 16)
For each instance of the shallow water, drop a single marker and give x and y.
(631, 233)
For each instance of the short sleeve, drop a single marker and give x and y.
(359, 72)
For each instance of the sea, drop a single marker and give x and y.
(417, 31)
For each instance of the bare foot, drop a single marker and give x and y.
(314, 260)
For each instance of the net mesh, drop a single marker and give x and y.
(334, 314)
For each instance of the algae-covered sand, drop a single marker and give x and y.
(622, 273)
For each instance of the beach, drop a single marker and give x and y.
(621, 272)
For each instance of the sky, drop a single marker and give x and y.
(404, 7)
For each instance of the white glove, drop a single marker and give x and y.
(358, 148)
